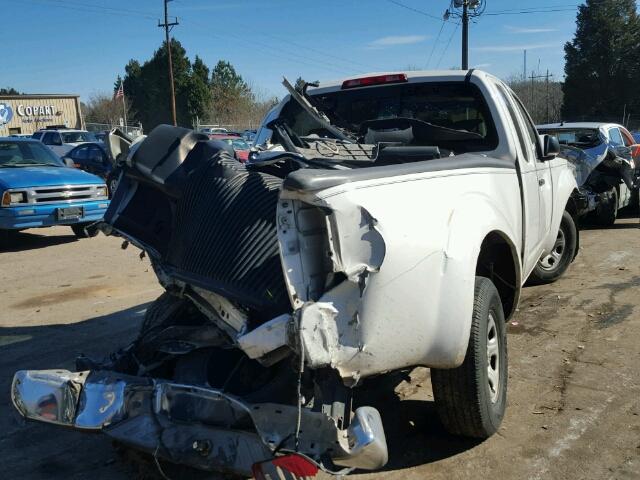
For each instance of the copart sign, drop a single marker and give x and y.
(35, 110)
(6, 113)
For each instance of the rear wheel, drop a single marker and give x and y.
(80, 231)
(553, 265)
(471, 399)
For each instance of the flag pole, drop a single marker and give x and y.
(124, 107)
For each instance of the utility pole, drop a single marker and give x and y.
(547, 100)
(533, 77)
(167, 28)
(465, 35)
(470, 9)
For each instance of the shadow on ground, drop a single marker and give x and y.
(624, 214)
(32, 450)
(413, 431)
(24, 241)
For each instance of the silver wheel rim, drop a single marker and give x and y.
(113, 186)
(493, 358)
(551, 261)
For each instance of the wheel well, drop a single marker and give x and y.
(572, 209)
(571, 206)
(497, 261)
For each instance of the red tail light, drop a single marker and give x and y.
(296, 465)
(375, 80)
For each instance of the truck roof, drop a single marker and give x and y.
(18, 139)
(574, 125)
(412, 76)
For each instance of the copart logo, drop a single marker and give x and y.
(6, 113)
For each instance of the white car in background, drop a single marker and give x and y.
(63, 140)
(210, 130)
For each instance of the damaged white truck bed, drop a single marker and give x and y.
(384, 222)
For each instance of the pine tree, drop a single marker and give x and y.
(602, 62)
(147, 87)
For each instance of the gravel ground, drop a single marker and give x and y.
(574, 365)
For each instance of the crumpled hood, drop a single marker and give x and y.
(44, 177)
(585, 160)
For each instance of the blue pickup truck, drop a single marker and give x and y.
(38, 190)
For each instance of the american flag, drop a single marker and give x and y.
(120, 92)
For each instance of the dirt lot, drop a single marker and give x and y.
(574, 354)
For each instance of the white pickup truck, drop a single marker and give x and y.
(385, 222)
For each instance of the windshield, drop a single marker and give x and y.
(76, 137)
(27, 154)
(578, 137)
(455, 106)
(238, 144)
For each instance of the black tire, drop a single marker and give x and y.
(6, 237)
(634, 202)
(112, 181)
(551, 267)
(80, 231)
(607, 209)
(466, 403)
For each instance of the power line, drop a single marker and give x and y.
(304, 61)
(91, 8)
(448, 43)
(273, 51)
(433, 49)
(415, 10)
(317, 51)
(525, 12)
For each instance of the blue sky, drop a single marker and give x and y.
(80, 46)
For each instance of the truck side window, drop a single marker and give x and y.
(528, 123)
(49, 138)
(263, 136)
(616, 137)
(514, 119)
(81, 153)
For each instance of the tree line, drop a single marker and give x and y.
(206, 96)
(603, 64)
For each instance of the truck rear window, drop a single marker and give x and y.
(457, 106)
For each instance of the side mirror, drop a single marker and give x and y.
(550, 147)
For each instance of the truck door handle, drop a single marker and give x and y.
(541, 181)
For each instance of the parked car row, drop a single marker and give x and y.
(61, 140)
(383, 222)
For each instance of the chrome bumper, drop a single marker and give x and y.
(197, 426)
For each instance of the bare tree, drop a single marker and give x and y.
(103, 108)
(541, 97)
